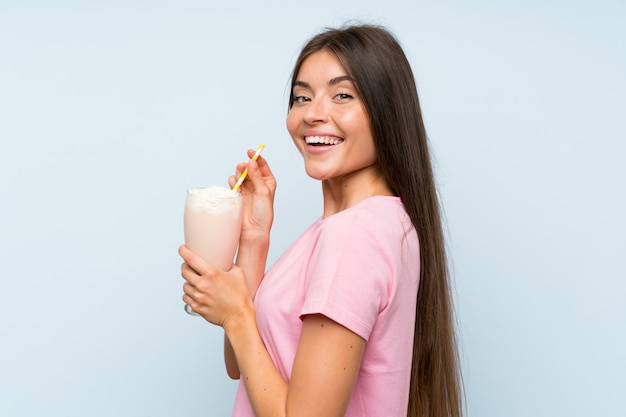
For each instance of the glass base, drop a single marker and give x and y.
(189, 311)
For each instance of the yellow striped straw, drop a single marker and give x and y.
(244, 174)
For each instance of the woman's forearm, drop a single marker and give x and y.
(252, 258)
(267, 390)
(230, 361)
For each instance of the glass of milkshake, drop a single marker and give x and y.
(212, 224)
(213, 218)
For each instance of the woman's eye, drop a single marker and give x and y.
(343, 96)
(300, 99)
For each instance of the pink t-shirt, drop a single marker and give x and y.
(360, 268)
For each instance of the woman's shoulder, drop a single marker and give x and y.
(374, 209)
(374, 216)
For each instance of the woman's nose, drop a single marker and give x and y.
(316, 112)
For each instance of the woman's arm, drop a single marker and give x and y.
(324, 373)
(252, 262)
(325, 369)
(258, 214)
(327, 360)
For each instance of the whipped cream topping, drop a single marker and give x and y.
(326, 140)
(213, 198)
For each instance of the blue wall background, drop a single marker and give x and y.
(109, 111)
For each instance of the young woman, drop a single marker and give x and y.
(355, 318)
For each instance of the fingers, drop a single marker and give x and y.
(192, 287)
(261, 176)
(261, 162)
(260, 182)
(188, 291)
(192, 306)
(251, 153)
(263, 165)
(232, 180)
(194, 266)
(254, 174)
(193, 296)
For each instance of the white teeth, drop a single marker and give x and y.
(322, 139)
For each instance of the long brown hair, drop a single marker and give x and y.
(383, 77)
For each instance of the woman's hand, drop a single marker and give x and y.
(216, 295)
(258, 198)
(258, 214)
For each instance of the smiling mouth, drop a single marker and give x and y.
(322, 140)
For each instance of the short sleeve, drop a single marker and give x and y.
(349, 276)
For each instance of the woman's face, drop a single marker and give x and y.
(328, 122)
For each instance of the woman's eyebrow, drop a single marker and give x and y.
(339, 79)
(332, 81)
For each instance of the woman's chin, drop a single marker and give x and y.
(316, 173)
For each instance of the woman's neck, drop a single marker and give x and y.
(344, 192)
